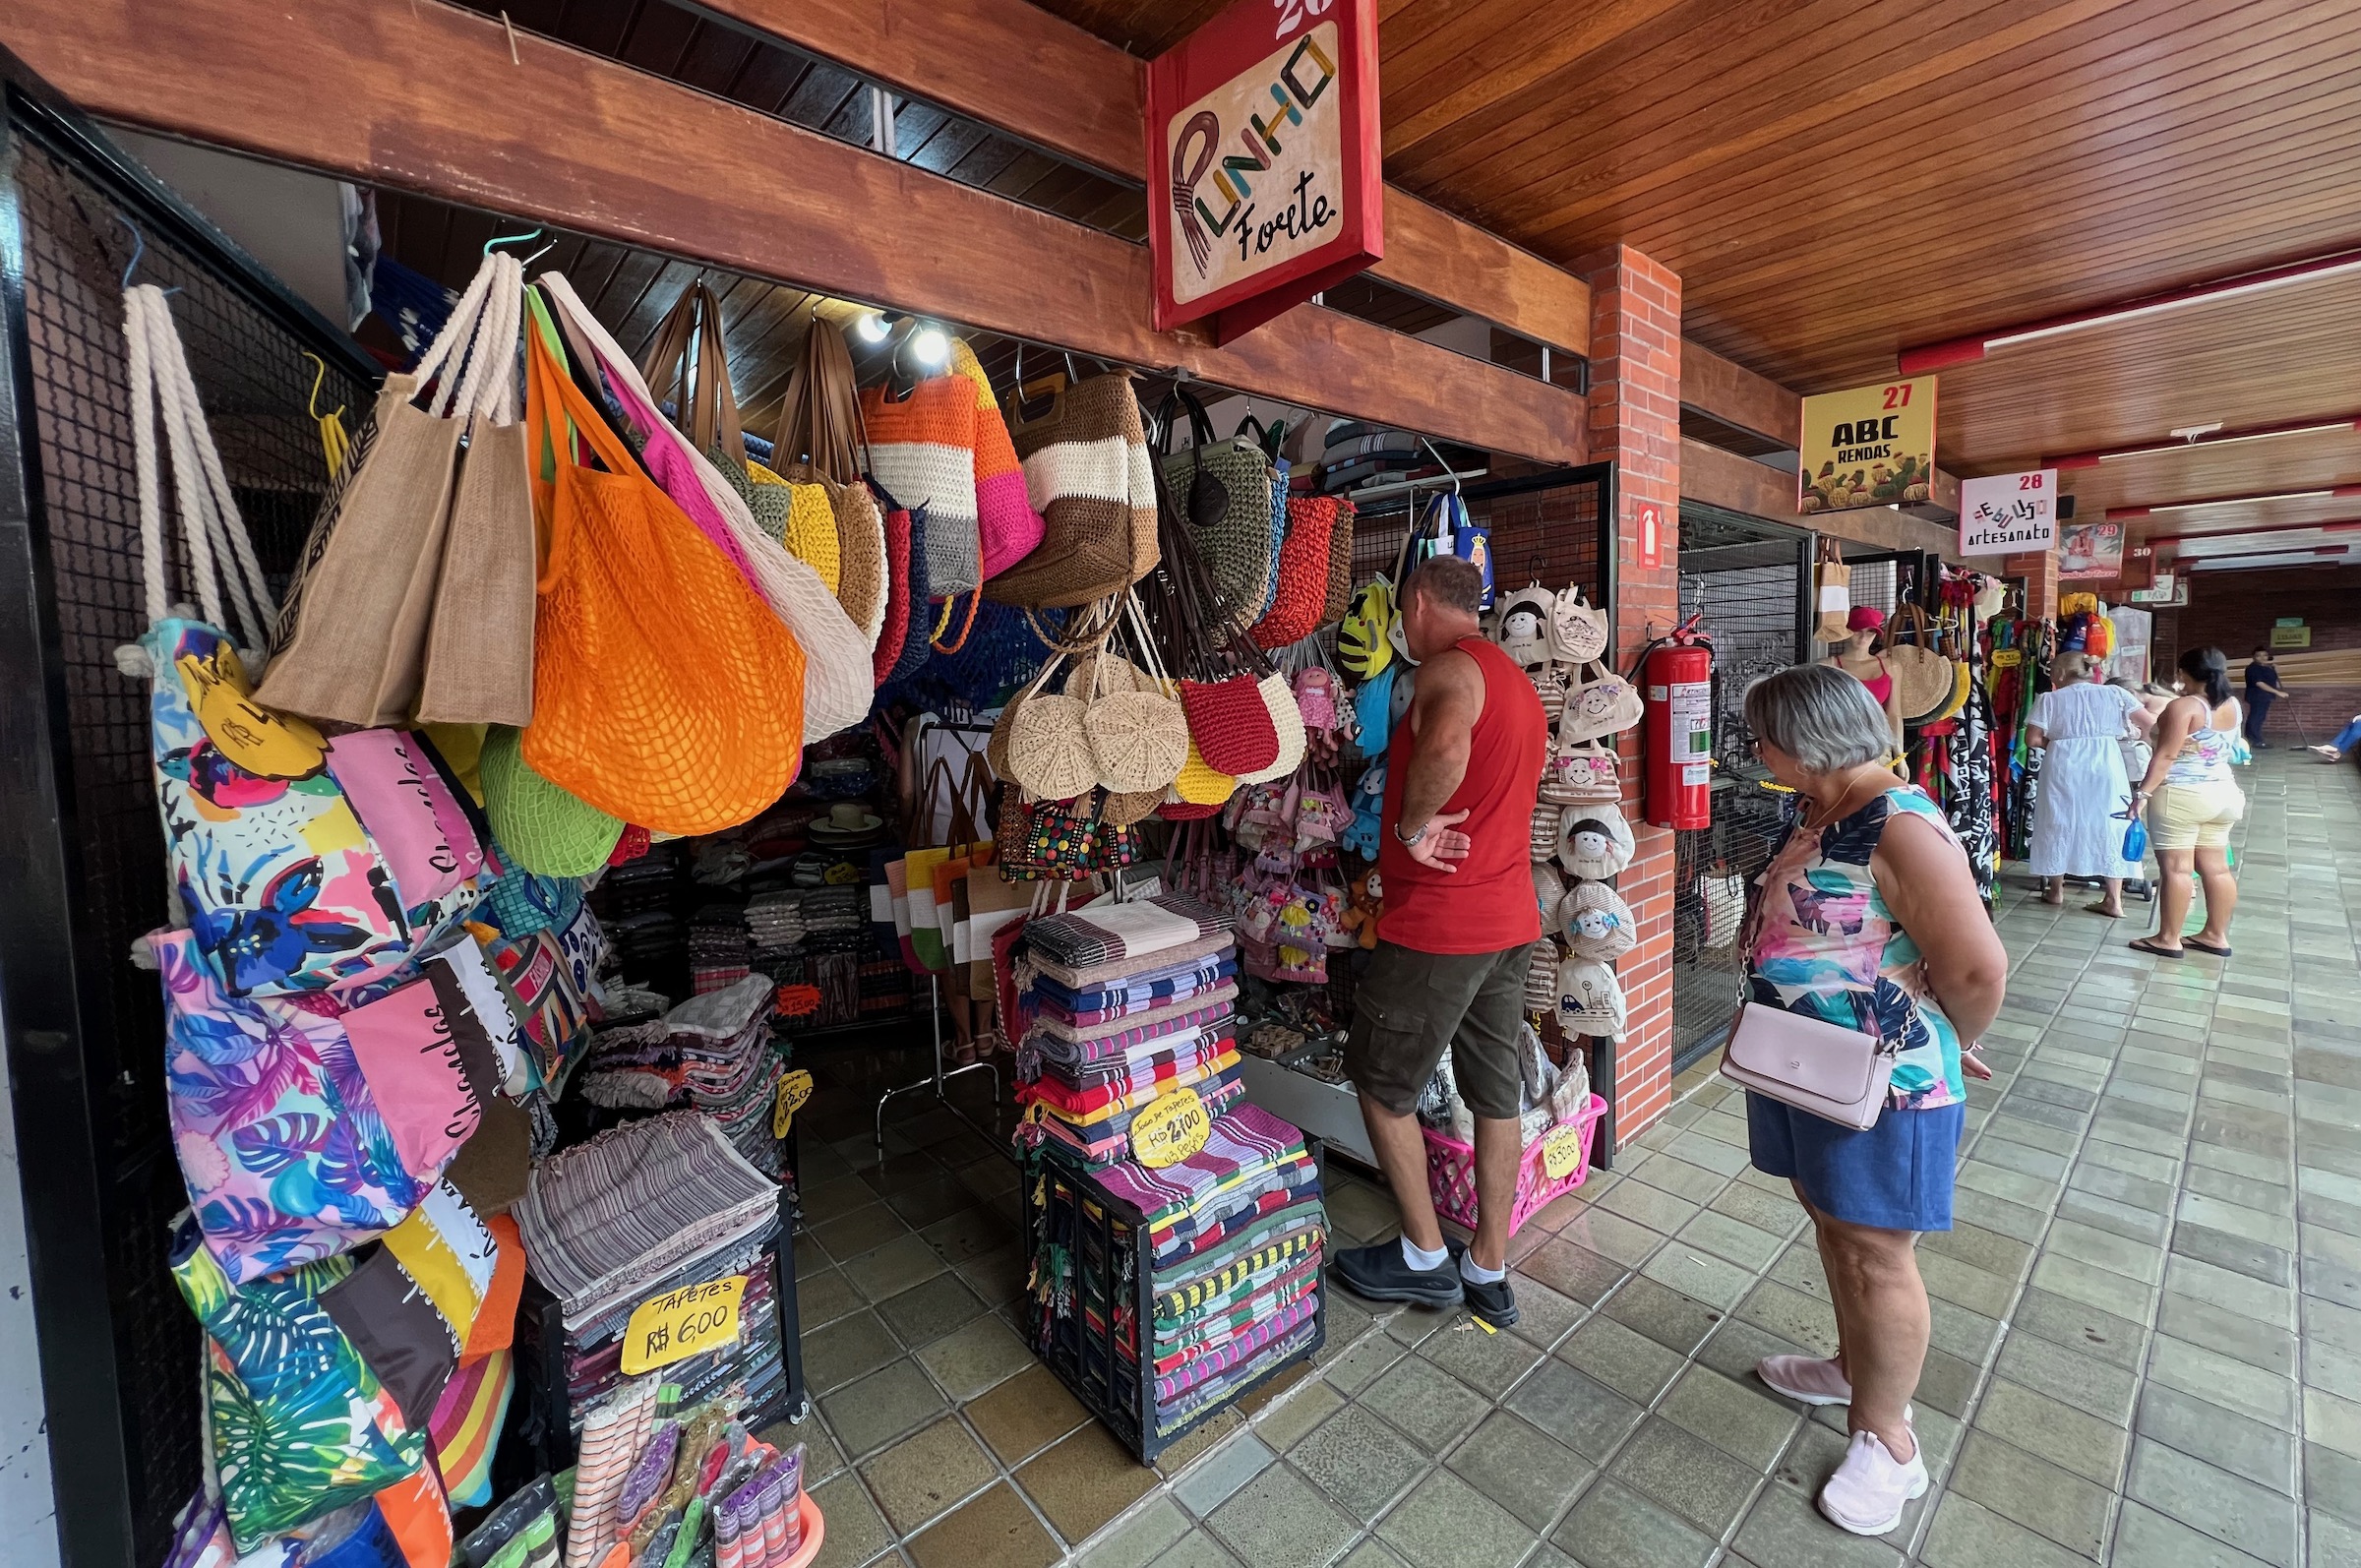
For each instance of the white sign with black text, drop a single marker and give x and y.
(2004, 514)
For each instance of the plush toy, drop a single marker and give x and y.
(1369, 902)
(1368, 797)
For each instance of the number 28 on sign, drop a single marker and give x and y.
(682, 1323)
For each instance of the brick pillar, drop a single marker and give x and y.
(2041, 574)
(1635, 423)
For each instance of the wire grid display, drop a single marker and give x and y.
(1545, 529)
(255, 386)
(1748, 597)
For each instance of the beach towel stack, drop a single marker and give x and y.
(717, 948)
(1125, 1004)
(729, 1066)
(652, 1206)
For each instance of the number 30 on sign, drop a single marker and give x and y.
(682, 1323)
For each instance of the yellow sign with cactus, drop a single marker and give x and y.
(1868, 446)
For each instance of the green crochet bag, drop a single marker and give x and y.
(539, 826)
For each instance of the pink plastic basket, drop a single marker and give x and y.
(1451, 1174)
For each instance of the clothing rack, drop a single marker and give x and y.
(940, 1076)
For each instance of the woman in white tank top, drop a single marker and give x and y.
(2192, 799)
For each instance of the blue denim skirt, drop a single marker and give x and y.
(1895, 1175)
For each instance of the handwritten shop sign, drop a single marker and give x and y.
(2008, 513)
(1264, 179)
(679, 1324)
(1868, 446)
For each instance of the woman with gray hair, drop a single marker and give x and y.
(1868, 918)
(2077, 831)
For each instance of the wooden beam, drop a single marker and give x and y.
(1757, 490)
(1736, 396)
(1036, 76)
(423, 96)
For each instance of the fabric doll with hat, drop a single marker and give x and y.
(1593, 842)
(1598, 924)
(1523, 628)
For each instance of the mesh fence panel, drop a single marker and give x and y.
(256, 384)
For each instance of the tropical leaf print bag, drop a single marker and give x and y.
(300, 864)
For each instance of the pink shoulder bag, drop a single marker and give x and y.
(1835, 1074)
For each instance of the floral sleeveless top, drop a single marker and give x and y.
(1827, 946)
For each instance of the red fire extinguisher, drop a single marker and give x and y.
(1677, 677)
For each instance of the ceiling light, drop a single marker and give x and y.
(932, 346)
(872, 326)
(2203, 295)
(2201, 436)
(2238, 501)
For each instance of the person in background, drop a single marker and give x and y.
(2077, 830)
(2192, 799)
(2263, 688)
(1862, 657)
(2346, 738)
(1869, 918)
(1462, 775)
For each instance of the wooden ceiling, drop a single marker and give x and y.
(1838, 180)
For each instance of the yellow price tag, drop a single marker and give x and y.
(1562, 1148)
(794, 1090)
(2006, 658)
(682, 1323)
(1170, 1128)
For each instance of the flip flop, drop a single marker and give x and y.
(2148, 944)
(2204, 948)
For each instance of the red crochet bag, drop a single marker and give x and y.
(897, 594)
(1230, 724)
(1302, 594)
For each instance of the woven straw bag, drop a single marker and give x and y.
(1923, 678)
(651, 651)
(1048, 751)
(1138, 733)
(538, 826)
(860, 553)
(1226, 488)
(1340, 565)
(802, 518)
(1287, 724)
(1123, 810)
(1087, 469)
(837, 691)
(1303, 591)
(893, 622)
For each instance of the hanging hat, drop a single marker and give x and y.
(1597, 921)
(1523, 631)
(1865, 618)
(1594, 841)
(1590, 1000)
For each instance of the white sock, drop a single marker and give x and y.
(1476, 1273)
(1417, 1257)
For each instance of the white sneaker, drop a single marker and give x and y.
(1871, 1490)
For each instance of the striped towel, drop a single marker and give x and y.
(1172, 1385)
(1132, 933)
(1180, 1248)
(1139, 1061)
(1245, 1264)
(1154, 989)
(1177, 1412)
(1104, 1143)
(1248, 1147)
(1121, 1037)
(1208, 1331)
(1120, 971)
(1088, 1106)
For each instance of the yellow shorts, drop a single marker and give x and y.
(2194, 815)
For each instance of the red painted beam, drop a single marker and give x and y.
(1967, 350)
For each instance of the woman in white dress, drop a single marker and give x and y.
(2077, 831)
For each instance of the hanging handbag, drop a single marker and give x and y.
(1833, 583)
(1087, 470)
(1007, 527)
(1835, 1074)
(818, 441)
(922, 452)
(1923, 678)
(1339, 565)
(1598, 925)
(1048, 746)
(893, 620)
(1601, 703)
(837, 692)
(1224, 492)
(653, 651)
(1577, 628)
(354, 632)
(1139, 733)
(1302, 589)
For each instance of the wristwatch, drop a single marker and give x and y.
(1409, 839)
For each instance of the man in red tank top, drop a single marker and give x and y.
(1453, 943)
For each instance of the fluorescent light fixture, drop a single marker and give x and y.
(872, 326)
(2225, 441)
(2240, 501)
(932, 346)
(2207, 296)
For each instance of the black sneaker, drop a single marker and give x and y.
(1381, 1274)
(1494, 1304)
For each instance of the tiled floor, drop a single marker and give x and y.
(2147, 1324)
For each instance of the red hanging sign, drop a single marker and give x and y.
(1264, 184)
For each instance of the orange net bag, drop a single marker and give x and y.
(664, 691)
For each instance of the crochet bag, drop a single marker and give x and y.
(544, 830)
(1302, 594)
(1286, 726)
(1340, 565)
(1087, 469)
(894, 624)
(1224, 488)
(1923, 678)
(836, 695)
(1603, 703)
(650, 648)
(1048, 746)
(1008, 528)
(1139, 733)
(922, 452)
(818, 442)
(365, 604)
